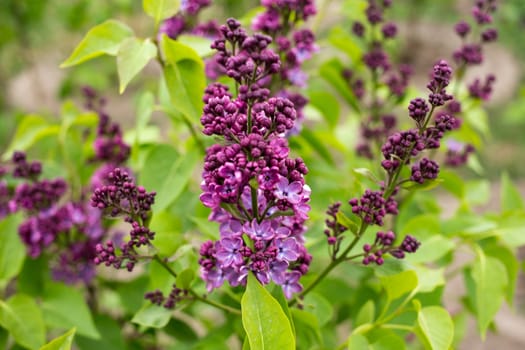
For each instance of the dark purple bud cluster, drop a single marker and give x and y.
(356, 84)
(380, 123)
(370, 207)
(108, 256)
(418, 110)
(426, 169)
(123, 197)
(399, 148)
(457, 153)
(409, 245)
(383, 244)
(31, 194)
(482, 91)
(129, 255)
(334, 229)
(441, 75)
(470, 53)
(256, 192)
(398, 82)
(109, 145)
(175, 296)
(23, 169)
(293, 45)
(246, 59)
(185, 21)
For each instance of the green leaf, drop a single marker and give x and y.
(167, 173)
(327, 104)
(161, 9)
(366, 314)
(490, 278)
(429, 279)
(307, 327)
(198, 43)
(452, 182)
(435, 327)
(388, 342)
(151, 315)
(510, 196)
(102, 39)
(265, 323)
(318, 306)
(366, 173)
(357, 342)
(477, 192)
(399, 284)
(347, 222)
(65, 307)
(345, 42)
(331, 72)
(317, 145)
(168, 230)
(62, 342)
(511, 263)
(12, 250)
(21, 316)
(111, 336)
(185, 79)
(432, 248)
(132, 57)
(25, 134)
(185, 278)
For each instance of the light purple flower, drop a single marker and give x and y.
(256, 231)
(291, 284)
(228, 251)
(277, 271)
(289, 191)
(286, 249)
(231, 228)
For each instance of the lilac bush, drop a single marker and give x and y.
(257, 218)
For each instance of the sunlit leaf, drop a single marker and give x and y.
(105, 38)
(265, 323)
(132, 57)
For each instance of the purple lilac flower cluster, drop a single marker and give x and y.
(384, 244)
(380, 123)
(399, 150)
(185, 21)
(68, 229)
(256, 192)
(293, 45)
(123, 198)
(473, 36)
(110, 149)
(176, 295)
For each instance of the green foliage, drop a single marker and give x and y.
(21, 316)
(104, 39)
(132, 57)
(160, 9)
(12, 251)
(435, 327)
(266, 325)
(62, 342)
(64, 307)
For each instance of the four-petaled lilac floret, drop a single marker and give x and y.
(229, 251)
(290, 192)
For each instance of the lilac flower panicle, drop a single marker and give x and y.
(255, 191)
